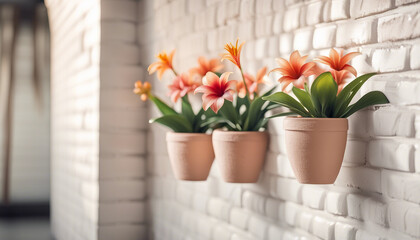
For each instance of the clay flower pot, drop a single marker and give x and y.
(191, 155)
(240, 155)
(315, 147)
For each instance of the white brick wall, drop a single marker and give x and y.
(99, 162)
(98, 125)
(376, 194)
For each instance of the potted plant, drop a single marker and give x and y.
(240, 146)
(316, 138)
(190, 147)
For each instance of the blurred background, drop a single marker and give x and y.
(24, 120)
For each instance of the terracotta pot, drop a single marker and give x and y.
(315, 147)
(191, 155)
(240, 155)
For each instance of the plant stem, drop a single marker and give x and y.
(246, 87)
(173, 70)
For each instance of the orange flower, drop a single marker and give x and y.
(234, 53)
(251, 82)
(142, 89)
(339, 68)
(215, 90)
(181, 86)
(295, 70)
(164, 63)
(212, 65)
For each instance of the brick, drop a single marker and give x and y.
(390, 59)
(326, 12)
(117, 53)
(406, 24)
(402, 2)
(263, 26)
(286, 189)
(412, 224)
(122, 190)
(303, 39)
(314, 16)
(356, 33)
(355, 154)
(391, 155)
(374, 211)
(247, 9)
(292, 16)
(323, 228)
(275, 233)
(121, 212)
(258, 227)
(261, 48)
(291, 213)
(305, 221)
(313, 197)
(414, 61)
(396, 214)
(239, 218)
(196, 5)
(272, 208)
(390, 121)
(118, 31)
(340, 9)
(221, 233)
(324, 37)
(278, 165)
(401, 186)
(273, 42)
(364, 178)
(286, 43)
(253, 202)
(200, 202)
(126, 231)
(361, 8)
(125, 10)
(363, 235)
(219, 209)
(122, 142)
(336, 203)
(344, 231)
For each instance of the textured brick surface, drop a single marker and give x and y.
(376, 195)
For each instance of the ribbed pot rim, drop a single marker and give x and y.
(183, 137)
(315, 124)
(224, 135)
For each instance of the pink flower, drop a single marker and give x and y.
(252, 83)
(212, 65)
(181, 86)
(215, 90)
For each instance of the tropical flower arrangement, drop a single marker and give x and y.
(244, 108)
(316, 139)
(182, 85)
(328, 97)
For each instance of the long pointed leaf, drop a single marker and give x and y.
(162, 106)
(187, 110)
(305, 100)
(285, 100)
(346, 95)
(254, 113)
(369, 99)
(178, 123)
(283, 114)
(323, 93)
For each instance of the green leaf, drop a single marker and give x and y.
(253, 113)
(283, 114)
(162, 106)
(305, 100)
(285, 100)
(178, 123)
(346, 95)
(187, 110)
(228, 111)
(369, 99)
(324, 93)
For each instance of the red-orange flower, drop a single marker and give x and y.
(338, 61)
(204, 66)
(142, 89)
(164, 63)
(234, 53)
(215, 90)
(181, 86)
(294, 71)
(339, 68)
(251, 82)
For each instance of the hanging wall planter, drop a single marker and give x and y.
(240, 155)
(191, 155)
(315, 147)
(316, 140)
